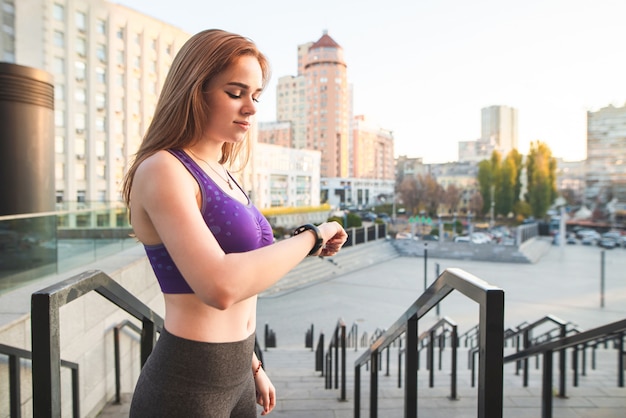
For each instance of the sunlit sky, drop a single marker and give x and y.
(424, 69)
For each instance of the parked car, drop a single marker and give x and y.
(614, 235)
(571, 239)
(462, 238)
(608, 243)
(587, 240)
(429, 237)
(404, 235)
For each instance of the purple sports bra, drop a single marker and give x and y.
(237, 227)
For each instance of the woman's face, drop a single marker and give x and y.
(232, 98)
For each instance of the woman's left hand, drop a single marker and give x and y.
(265, 392)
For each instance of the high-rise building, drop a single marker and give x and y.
(606, 155)
(291, 106)
(317, 102)
(372, 151)
(108, 63)
(499, 127)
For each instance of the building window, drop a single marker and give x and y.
(59, 118)
(81, 172)
(81, 21)
(120, 33)
(59, 92)
(59, 39)
(120, 57)
(59, 144)
(59, 174)
(80, 95)
(58, 65)
(81, 46)
(101, 26)
(101, 53)
(100, 150)
(100, 100)
(58, 12)
(100, 122)
(80, 69)
(100, 75)
(79, 124)
(81, 195)
(101, 171)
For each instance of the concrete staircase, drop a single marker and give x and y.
(300, 390)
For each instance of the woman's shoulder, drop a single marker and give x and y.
(162, 166)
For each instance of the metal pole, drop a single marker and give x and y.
(436, 276)
(602, 279)
(425, 266)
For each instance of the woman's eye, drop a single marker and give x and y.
(255, 99)
(233, 96)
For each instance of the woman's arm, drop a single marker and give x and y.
(265, 390)
(165, 196)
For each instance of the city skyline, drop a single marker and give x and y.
(425, 71)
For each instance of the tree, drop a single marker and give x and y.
(541, 178)
(452, 197)
(408, 191)
(430, 194)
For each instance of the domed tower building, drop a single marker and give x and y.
(328, 105)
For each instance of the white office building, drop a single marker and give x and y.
(108, 63)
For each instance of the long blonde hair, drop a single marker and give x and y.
(181, 112)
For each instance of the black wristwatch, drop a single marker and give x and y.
(318, 241)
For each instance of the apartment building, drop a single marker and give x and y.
(372, 150)
(499, 127)
(108, 63)
(606, 155)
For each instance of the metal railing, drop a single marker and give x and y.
(45, 327)
(336, 343)
(616, 329)
(15, 395)
(491, 333)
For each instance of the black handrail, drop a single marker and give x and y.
(116, 346)
(15, 395)
(339, 339)
(431, 336)
(45, 305)
(547, 349)
(525, 331)
(491, 331)
(319, 354)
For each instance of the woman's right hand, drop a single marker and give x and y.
(334, 237)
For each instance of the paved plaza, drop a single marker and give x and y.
(565, 282)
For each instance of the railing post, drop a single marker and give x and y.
(491, 334)
(357, 391)
(562, 365)
(546, 386)
(374, 384)
(343, 362)
(148, 337)
(410, 372)
(46, 357)
(116, 350)
(620, 360)
(15, 383)
(431, 359)
(453, 376)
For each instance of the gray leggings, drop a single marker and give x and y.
(189, 379)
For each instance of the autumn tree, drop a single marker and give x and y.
(452, 197)
(541, 178)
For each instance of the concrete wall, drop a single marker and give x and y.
(86, 335)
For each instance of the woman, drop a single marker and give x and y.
(208, 245)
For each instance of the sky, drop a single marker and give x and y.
(424, 69)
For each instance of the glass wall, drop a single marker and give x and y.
(38, 245)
